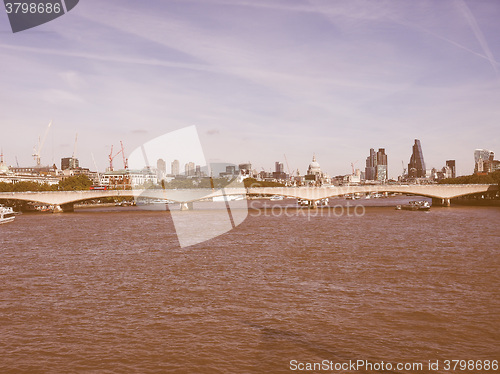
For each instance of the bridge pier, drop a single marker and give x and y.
(440, 202)
(64, 208)
(187, 206)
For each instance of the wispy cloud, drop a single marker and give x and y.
(478, 33)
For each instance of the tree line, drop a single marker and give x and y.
(491, 178)
(75, 183)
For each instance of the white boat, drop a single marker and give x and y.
(228, 198)
(276, 197)
(6, 214)
(415, 205)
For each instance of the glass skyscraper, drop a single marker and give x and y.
(376, 165)
(416, 167)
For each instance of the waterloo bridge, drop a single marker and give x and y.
(441, 194)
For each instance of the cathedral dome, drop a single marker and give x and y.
(314, 167)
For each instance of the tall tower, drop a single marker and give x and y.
(451, 164)
(175, 167)
(376, 165)
(416, 167)
(161, 165)
(381, 165)
(189, 169)
(371, 166)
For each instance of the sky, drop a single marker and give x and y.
(260, 79)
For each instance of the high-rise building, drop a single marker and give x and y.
(189, 169)
(376, 165)
(453, 170)
(371, 166)
(416, 167)
(161, 165)
(482, 157)
(69, 163)
(279, 168)
(483, 154)
(175, 167)
(279, 172)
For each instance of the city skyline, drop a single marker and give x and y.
(374, 161)
(259, 80)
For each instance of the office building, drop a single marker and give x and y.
(189, 169)
(161, 165)
(416, 167)
(69, 163)
(376, 165)
(175, 167)
(483, 160)
(279, 172)
(452, 169)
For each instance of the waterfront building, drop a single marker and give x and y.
(69, 163)
(126, 179)
(175, 167)
(416, 167)
(4, 169)
(376, 165)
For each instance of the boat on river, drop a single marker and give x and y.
(7, 214)
(415, 205)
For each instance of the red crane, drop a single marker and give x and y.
(111, 157)
(125, 160)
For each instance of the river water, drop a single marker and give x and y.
(109, 290)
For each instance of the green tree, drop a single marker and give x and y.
(491, 178)
(75, 183)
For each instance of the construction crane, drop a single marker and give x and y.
(37, 151)
(352, 166)
(96, 169)
(404, 169)
(111, 157)
(125, 160)
(74, 148)
(287, 166)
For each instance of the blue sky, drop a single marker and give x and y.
(259, 79)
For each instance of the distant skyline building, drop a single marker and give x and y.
(245, 169)
(69, 163)
(279, 167)
(189, 169)
(279, 171)
(483, 158)
(376, 165)
(371, 166)
(314, 172)
(453, 170)
(175, 167)
(416, 167)
(161, 165)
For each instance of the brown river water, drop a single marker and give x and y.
(109, 290)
